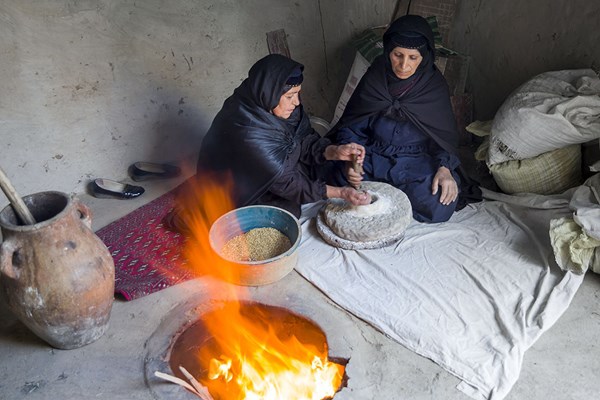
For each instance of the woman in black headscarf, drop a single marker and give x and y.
(263, 138)
(401, 113)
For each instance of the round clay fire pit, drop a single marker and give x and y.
(195, 346)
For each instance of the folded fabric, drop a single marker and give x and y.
(576, 239)
(574, 250)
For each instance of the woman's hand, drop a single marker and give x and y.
(353, 176)
(444, 179)
(345, 152)
(351, 195)
(355, 197)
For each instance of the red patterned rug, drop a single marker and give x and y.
(147, 256)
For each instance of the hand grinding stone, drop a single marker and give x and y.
(378, 224)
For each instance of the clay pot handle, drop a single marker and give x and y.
(7, 249)
(84, 212)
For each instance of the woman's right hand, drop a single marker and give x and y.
(351, 195)
(355, 197)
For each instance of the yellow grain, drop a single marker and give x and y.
(256, 245)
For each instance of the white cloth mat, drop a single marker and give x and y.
(472, 294)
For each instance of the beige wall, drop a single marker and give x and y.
(90, 86)
(513, 40)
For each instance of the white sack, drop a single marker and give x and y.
(548, 112)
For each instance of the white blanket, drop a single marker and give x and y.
(472, 294)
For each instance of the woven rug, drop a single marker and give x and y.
(147, 256)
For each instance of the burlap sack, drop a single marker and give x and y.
(549, 173)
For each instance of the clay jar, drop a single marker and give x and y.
(56, 275)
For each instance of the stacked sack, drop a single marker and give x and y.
(535, 138)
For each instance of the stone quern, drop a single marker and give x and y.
(375, 225)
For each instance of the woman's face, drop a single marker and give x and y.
(288, 102)
(405, 61)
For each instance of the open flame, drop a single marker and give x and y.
(254, 353)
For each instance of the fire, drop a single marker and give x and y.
(255, 351)
(200, 204)
(255, 356)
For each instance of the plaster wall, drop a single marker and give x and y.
(90, 86)
(511, 41)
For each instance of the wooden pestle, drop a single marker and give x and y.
(15, 200)
(357, 167)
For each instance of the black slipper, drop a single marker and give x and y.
(141, 171)
(107, 189)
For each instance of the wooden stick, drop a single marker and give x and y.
(357, 167)
(200, 388)
(174, 379)
(16, 201)
(196, 387)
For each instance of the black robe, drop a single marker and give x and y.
(269, 158)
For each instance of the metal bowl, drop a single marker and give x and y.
(320, 125)
(244, 219)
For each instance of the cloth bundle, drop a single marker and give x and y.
(548, 112)
(576, 239)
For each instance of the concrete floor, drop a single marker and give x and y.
(562, 364)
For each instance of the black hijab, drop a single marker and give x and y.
(246, 139)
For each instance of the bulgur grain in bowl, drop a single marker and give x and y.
(258, 244)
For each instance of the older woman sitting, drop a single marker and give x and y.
(401, 113)
(263, 137)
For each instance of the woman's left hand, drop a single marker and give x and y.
(444, 179)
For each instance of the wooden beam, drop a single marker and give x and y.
(277, 42)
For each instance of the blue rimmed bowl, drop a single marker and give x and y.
(244, 219)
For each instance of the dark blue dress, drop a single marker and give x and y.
(398, 153)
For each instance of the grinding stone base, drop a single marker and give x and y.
(331, 238)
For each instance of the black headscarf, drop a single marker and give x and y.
(246, 139)
(423, 98)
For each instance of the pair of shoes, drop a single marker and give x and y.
(141, 171)
(107, 189)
